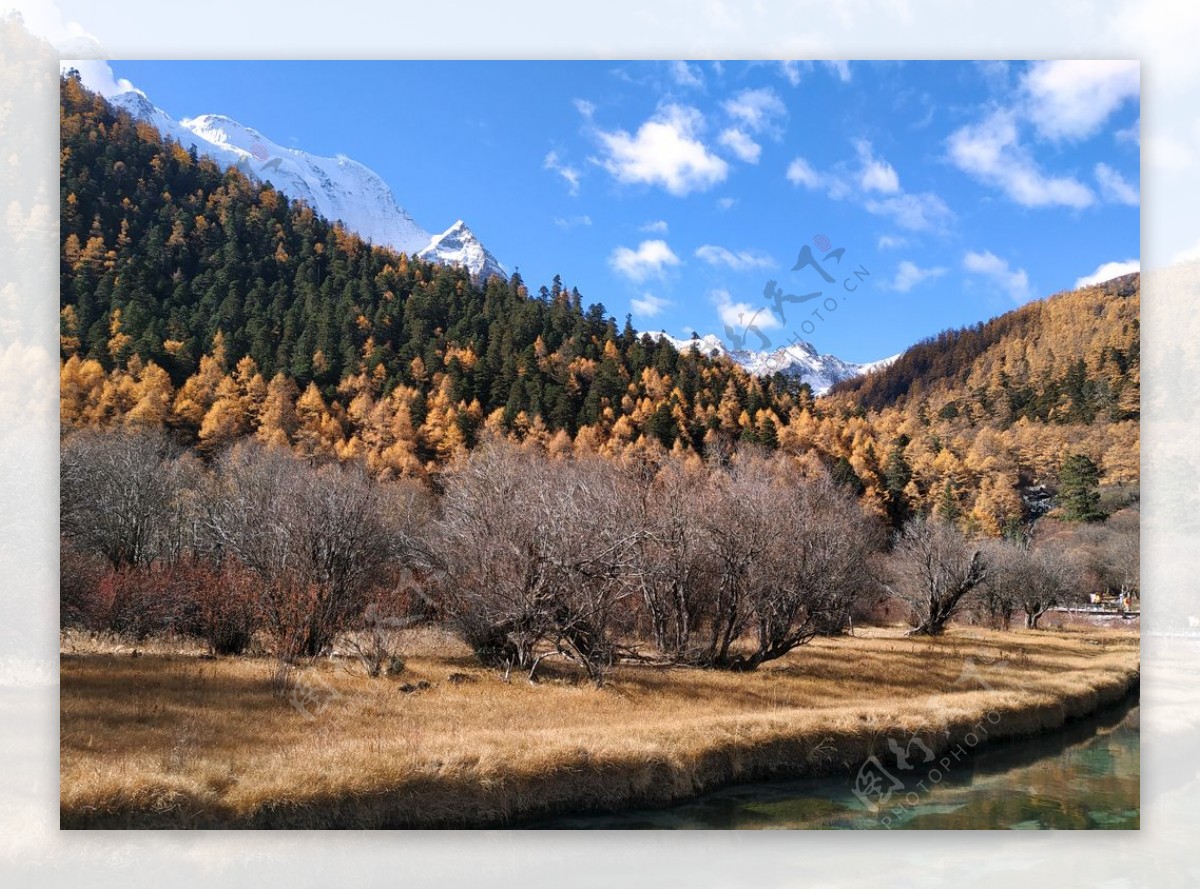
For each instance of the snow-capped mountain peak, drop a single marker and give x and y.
(225, 131)
(458, 246)
(799, 360)
(339, 188)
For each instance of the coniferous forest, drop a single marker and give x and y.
(195, 298)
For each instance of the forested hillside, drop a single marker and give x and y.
(194, 298)
(971, 416)
(200, 301)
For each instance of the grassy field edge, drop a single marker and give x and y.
(587, 782)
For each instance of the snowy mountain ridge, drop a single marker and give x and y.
(799, 360)
(339, 188)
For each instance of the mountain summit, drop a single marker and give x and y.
(800, 361)
(458, 246)
(338, 188)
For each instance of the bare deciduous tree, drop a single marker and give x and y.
(119, 494)
(537, 553)
(793, 554)
(933, 569)
(1031, 578)
(675, 570)
(1111, 551)
(319, 539)
(493, 588)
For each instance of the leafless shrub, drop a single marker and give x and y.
(320, 540)
(80, 573)
(374, 637)
(119, 495)
(537, 553)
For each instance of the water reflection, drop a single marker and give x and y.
(1085, 776)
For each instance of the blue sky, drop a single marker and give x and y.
(677, 191)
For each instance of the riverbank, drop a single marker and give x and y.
(1085, 776)
(170, 739)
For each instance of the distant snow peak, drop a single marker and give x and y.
(338, 188)
(799, 360)
(458, 246)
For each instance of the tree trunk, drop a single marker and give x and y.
(927, 629)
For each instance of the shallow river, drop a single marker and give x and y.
(1084, 776)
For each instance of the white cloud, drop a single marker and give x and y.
(738, 261)
(914, 211)
(650, 260)
(890, 241)
(648, 305)
(909, 275)
(745, 148)
(1072, 99)
(1114, 187)
(739, 315)
(876, 174)
(97, 75)
(1015, 282)
(655, 226)
(991, 152)
(917, 212)
(686, 75)
(1132, 133)
(791, 71)
(724, 204)
(757, 109)
(585, 108)
(800, 172)
(841, 68)
(1109, 270)
(995, 72)
(571, 222)
(566, 171)
(666, 151)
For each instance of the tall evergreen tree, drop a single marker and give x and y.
(1079, 489)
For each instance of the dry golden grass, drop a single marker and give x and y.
(169, 738)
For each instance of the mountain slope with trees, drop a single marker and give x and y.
(200, 301)
(966, 421)
(195, 298)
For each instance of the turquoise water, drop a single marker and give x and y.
(1086, 776)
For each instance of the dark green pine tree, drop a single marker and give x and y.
(661, 425)
(1079, 489)
(896, 475)
(948, 509)
(843, 474)
(768, 436)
